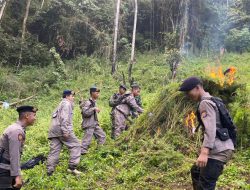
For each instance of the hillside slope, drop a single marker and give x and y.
(137, 160)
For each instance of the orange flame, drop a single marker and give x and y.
(190, 121)
(221, 76)
(158, 131)
(213, 73)
(231, 75)
(227, 77)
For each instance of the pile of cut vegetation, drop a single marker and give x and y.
(167, 117)
(163, 144)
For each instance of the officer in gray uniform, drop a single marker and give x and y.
(90, 123)
(117, 97)
(61, 133)
(121, 112)
(135, 87)
(214, 152)
(11, 148)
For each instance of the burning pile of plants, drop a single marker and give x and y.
(172, 116)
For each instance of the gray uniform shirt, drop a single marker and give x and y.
(62, 119)
(127, 105)
(219, 150)
(89, 115)
(12, 141)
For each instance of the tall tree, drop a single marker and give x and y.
(4, 3)
(23, 32)
(184, 6)
(132, 59)
(42, 4)
(116, 27)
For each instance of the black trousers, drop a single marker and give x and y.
(6, 181)
(206, 178)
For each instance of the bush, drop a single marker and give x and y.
(34, 53)
(238, 40)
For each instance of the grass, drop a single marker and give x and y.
(138, 159)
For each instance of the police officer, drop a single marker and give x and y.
(61, 133)
(90, 123)
(11, 147)
(136, 90)
(214, 153)
(117, 97)
(121, 112)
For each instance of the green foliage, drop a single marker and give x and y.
(157, 152)
(34, 53)
(59, 72)
(171, 40)
(238, 40)
(77, 28)
(173, 58)
(143, 157)
(235, 170)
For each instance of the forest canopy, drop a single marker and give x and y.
(85, 27)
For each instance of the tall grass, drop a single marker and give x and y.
(156, 153)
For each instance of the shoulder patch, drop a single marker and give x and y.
(20, 137)
(204, 114)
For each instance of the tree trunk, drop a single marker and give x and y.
(184, 24)
(116, 27)
(2, 9)
(132, 60)
(23, 33)
(42, 4)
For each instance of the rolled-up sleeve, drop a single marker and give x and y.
(208, 117)
(132, 103)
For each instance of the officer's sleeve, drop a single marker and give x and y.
(132, 103)
(208, 117)
(87, 110)
(65, 117)
(112, 101)
(138, 101)
(15, 139)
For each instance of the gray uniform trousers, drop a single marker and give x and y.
(89, 132)
(118, 123)
(6, 181)
(56, 143)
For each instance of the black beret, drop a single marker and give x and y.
(68, 92)
(94, 89)
(23, 109)
(123, 86)
(135, 85)
(190, 83)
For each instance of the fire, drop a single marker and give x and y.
(230, 73)
(221, 76)
(213, 73)
(190, 121)
(227, 77)
(158, 131)
(217, 73)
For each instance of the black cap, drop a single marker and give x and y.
(190, 83)
(23, 109)
(94, 89)
(68, 93)
(123, 86)
(135, 85)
